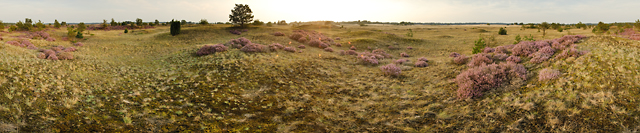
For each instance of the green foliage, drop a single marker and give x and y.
(63, 23)
(23, 26)
(113, 22)
(241, 14)
(1, 26)
(183, 22)
(560, 29)
(40, 25)
(126, 31)
(13, 28)
(410, 33)
(104, 23)
(204, 22)
(581, 25)
(71, 32)
(502, 31)
(139, 21)
(157, 22)
(282, 22)
(257, 22)
(56, 24)
(529, 38)
(175, 28)
(479, 46)
(269, 24)
(81, 27)
(79, 35)
(518, 39)
(544, 26)
(405, 23)
(601, 28)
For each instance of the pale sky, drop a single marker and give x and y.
(507, 11)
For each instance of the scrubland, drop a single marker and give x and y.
(150, 81)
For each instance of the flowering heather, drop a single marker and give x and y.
(314, 43)
(352, 48)
(342, 52)
(454, 54)
(500, 56)
(302, 47)
(489, 50)
(296, 36)
(423, 59)
(250, 48)
(570, 52)
(421, 64)
(479, 60)
(309, 36)
(278, 34)
(461, 59)
(542, 44)
(38, 35)
(391, 69)
(400, 61)
(51, 39)
(290, 49)
(514, 59)
(52, 57)
(352, 52)
(26, 42)
(220, 48)
(337, 38)
(323, 45)
(566, 41)
(32, 47)
(275, 46)
(210, 49)
(539, 57)
(49, 52)
(547, 50)
(404, 54)
(235, 32)
(381, 52)
(630, 33)
(328, 49)
(338, 44)
(238, 43)
(409, 48)
(302, 40)
(548, 74)
(57, 49)
(42, 56)
(502, 49)
(474, 81)
(524, 48)
(245, 30)
(65, 56)
(393, 47)
(69, 49)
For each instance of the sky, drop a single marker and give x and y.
(446, 11)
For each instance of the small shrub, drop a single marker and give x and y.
(238, 43)
(547, 50)
(278, 34)
(352, 48)
(368, 60)
(15, 43)
(290, 49)
(296, 36)
(461, 59)
(79, 35)
(514, 59)
(42, 55)
(400, 61)
(570, 52)
(323, 45)
(489, 50)
(404, 55)
(409, 48)
(251, 48)
(210, 49)
(51, 39)
(302, 40)
(237, 32)
(423, 59)
(524, 48)
(52, 57)
(48, 53)
(302, 47)
(275, 46)
(539, 57)
(502, 31)
(338, 44)
(454, 54)
(69, 49)
(352, 52)
(314, 43)
(421, 64)
(175, 28)
(548, 74)
(57, 49)
(391, 70)
(328, 49)
(479, 60)
(382, 53)
(478, 46)
(126, 31)
(500, 56)
(542, 44)
(65, 56)
(501, 49)
(473, 82)
(337, 38)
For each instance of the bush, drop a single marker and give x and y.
(175, 28)
(210, 49)
(473, 82)
(421, 64)
(290, 49)
(518, 39)
(461, 59)
(78, 44)
(65, 56)
(302, 40)
(502, 31)
(479, 60)
(391, 70)
(488, 50)
(352, 48)
(15, 43)
(401, 61)
(52, 57)
(323, 45)
(79, 35)
(302, 47)
(296, 36)
(423, 59)
(404, 54)
(69, 49)
(352, 52)
(278, 34)
(523, 49)
(500, 56)
(127, 31)
(368, 60)
(547, 50)
(478, 46)
(51, 39)
(382, 53)
(454, 54)
(501, 49)
(570, 52)
(514, 59)
(314, 43)
(42, 56)
(275, 46)
(548, 74)
(338, 44)
(539, 57)
(251, 48)
(328, 49)
(238, 43)
(237, 32)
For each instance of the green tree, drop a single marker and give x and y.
(282, 22)
(126, 31)
(71, 32)
(601, 28)
(410, 33)
(40, 25)
(104, 24)
(204, 22)
(138, 21)
(157, 22)
(581, 25)
(269, 24)
(241, 14)
(518, 39)
(56, 24)
(79, 35)
(478, 46)
(502, 31)
(113, 22)
(257, 22)
(544, 26)
(175, 28)
(63, 23)
(81, 27)
(182, 22)
(637, 24)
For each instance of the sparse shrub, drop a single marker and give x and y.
(296, 36)
(278, 34)
(338, 44)
(479, 45)
(423, 59)
(323, 45)
(400, 61)
(253, 47)
(488, 50)
(502, 31)
(404, 54)
(51, 39)
(514, 59)
(479, 60)
(78, 44)
(518, 39)
(328, 49)
(275, 46)
(524, 48)
(454, 54)
(52, 57)
(65, 56)
(42, 56)
(238, 43)
(302, 47)
(421, 64)
(570, 52)
(237, 32)
(461, 59)
(69, 49)
(210, 49)
(15, 43)
(352, 48)
(79, 35)
(382, 53)
(290, 49)
(352, 52)
(391, 69)
(474, 81)
(548, 74)
(314, 43)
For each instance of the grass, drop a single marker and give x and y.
(151, 81)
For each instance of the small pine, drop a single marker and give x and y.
(79, 35)
(479, 46)
(502, 31)
(126, 31)
(175, 28)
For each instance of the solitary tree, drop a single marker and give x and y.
(113, 22)
(544, 26)
(175, 28)
(56, 24)
(138, 21)
(241, 14)
(157, 22)
(182, 22)
(104, 24)
(63, 23)
(81, 27)
(204, 22)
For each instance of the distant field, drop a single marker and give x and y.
(150, 81)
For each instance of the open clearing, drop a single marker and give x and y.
(150, 81)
